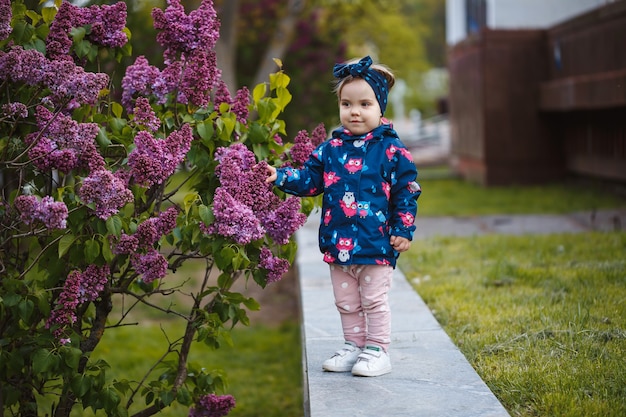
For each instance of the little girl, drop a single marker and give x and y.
(370, 201)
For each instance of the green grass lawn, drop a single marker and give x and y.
(263, 369)
(541, 318)
(445, 196)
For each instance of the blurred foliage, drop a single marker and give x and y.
(406, 35)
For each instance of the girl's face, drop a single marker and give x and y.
(359, 110)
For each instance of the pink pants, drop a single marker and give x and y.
(361, 299)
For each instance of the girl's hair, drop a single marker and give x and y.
(380, 68)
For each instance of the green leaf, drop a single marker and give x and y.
(34, 16)
(65, 244)
(279, 80)
(117, 109)
(189, 200)
(106, 249)
(206, 214)
(78, 34)
(80, 385)
(42, 361)
(26, 308)
(224, 257)
(205, 130)
(114, 225)
(91, 250)
(48, 14)
(259, 92)
(102, 138)
(283, 97)
(71, 356)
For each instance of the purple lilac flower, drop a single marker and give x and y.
(148, 233)
(199, 77)
(63, 143)
(189, 41)
(278, 139)
(301, 149)
(15, 110)
(53, 214)
(318, 135)
(181, 33)
(212, 405)
(240, 106)
(145, 115)
(276, 267)
(107, 27)
(138, 80)
(5, 19)
(222, 95)
(33, 68)
(58, 42)
(244, 206)
(234, 219)
(82, 86)
(154, 160)
(126, 245)
(79, 288)
(107, 24)
(151, 265)
(284, 220)
(106, 191)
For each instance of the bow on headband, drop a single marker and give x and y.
(375, 79)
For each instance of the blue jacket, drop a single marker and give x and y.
(369, 190)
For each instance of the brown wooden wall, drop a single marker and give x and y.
(532, 106)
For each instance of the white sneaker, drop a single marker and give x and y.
(343, 360)
(373, 361)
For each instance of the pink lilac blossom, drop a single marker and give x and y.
(107, 27)
(212, 405)
(244, 205)
(301, 149)
(107, 24)
(126, 245)
(222, 95)
(148, 232)
(276, 267)
(234, 219)
(107, 192)
(181, 33)
(191, 67)
(5, 19)
(53, 214)
(145, 115)
(284, 220)
(151, 265)
(63, 144)
(198, 78)
(31, 67)
(318, 135)
(154, 160)
(138, 80)
(15, 110)
(241, 103)
(79, 288)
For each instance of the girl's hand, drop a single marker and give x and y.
(272, 177)
(400, 244)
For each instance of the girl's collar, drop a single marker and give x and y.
(377, 132)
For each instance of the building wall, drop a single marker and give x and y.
(515, 14)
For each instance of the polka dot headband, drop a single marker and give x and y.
(375, 79)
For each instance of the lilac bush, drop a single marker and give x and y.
(107, 190)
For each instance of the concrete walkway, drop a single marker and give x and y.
(430, 376)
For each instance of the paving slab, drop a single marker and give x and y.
(430, 376)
